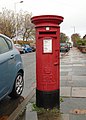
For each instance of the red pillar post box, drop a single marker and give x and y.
(47, 60)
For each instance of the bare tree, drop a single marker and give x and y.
(27, 28)
(7, 22)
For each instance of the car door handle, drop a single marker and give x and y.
(12, 56)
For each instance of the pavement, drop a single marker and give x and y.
(72, 89)
(73, 85)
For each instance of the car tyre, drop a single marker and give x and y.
(18, 86)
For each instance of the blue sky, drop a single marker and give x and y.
(73, 11)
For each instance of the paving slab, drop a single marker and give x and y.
(66, 83)
(66, 69)
(78, 64)
(31, 115)
(79, 68)
(73, 83)
(66, 63)
(64, 73)
(65, 91)
(78, 73)
(63, 78)
(78, 77)
(66, 77)
(77, 83)
(65, 116)
(70, 104)
(78, 91)
(77, 117)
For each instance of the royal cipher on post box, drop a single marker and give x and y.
(47, 60)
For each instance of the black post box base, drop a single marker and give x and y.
(48, 99)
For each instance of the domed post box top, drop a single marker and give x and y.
(47, 20)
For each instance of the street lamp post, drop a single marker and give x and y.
(15, 4)
(74, 29)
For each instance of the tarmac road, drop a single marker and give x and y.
(29, 61)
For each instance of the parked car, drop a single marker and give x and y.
(19, 47)
(33, 48)
(69, 45)
(11, 69)
(64, 47)
(27, 48)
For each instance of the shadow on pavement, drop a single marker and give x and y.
(7, 106)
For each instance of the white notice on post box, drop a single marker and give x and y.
(47, 46)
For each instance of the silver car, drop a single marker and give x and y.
(19, 47)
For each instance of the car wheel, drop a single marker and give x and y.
(18, 86)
